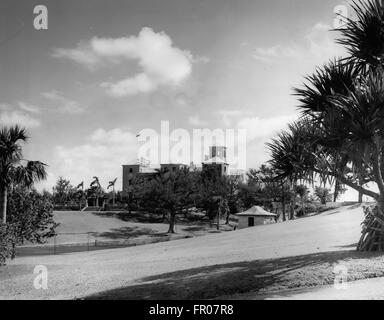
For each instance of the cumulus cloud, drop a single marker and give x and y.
(10, 115)
(63, 104)
(258, 128)
(319, 43)
(102, 155)
(162, 63)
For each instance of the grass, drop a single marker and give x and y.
(252, 262)
(80, 231)
(258, 278)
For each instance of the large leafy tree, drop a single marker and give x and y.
(61, 191)
(170, 192)
(213, 187)
(14, 170)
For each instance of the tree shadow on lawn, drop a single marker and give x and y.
(126, 233)
(195, 228)
(134, 216)
(258, 277)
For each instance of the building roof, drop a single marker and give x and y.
(147, 170)
(256, 211)
(215, 160)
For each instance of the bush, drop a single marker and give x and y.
(7, 243)
(31, 216)
(323, 194)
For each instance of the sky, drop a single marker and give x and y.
(105, 70)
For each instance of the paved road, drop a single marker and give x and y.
(81, 274)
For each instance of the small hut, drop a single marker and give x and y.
(254, 217)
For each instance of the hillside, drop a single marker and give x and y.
(227, 263)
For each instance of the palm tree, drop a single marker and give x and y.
(111, 184)
(14, 170)
(95, 184)
(344, 102)
(290, 157)
(364, 37)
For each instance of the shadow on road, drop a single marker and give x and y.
(258, 276)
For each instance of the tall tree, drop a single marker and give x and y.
(111, 184)
(14, 170)
(344, 104)
(170, 192)
(61, 191)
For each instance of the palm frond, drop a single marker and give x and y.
(364, 37)
(33, 171)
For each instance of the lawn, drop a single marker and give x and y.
(83, 231)
(255, 261)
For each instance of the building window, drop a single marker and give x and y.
(130, 170)
(174, 168)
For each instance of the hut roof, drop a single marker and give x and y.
(256, 211)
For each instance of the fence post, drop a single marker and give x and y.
(87, 241)
(54, 245)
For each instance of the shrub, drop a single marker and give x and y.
(7, 243)
(323, 194)
(31, 216)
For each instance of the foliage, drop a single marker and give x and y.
(67, 197)
(7, 243)
(323, 194)
(169, 192)
(30, 214)
(211, 188)
(61, 192)
(14, 169)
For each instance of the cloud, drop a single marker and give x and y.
(276, 52)
(9, 118)
(28, 107)
(258, 128)
(161, 63)
(83, 54)
(229, 115)
(10, 115)
(63, 104)
(102, 155)
(140, 83)
(319, 44)
(196, 121)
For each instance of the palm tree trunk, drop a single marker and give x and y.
(336, 193)
(360, 193)
(372, 237)
(3, 203)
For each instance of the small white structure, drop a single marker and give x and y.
(254, 217)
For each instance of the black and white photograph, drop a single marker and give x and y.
(209, 152)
